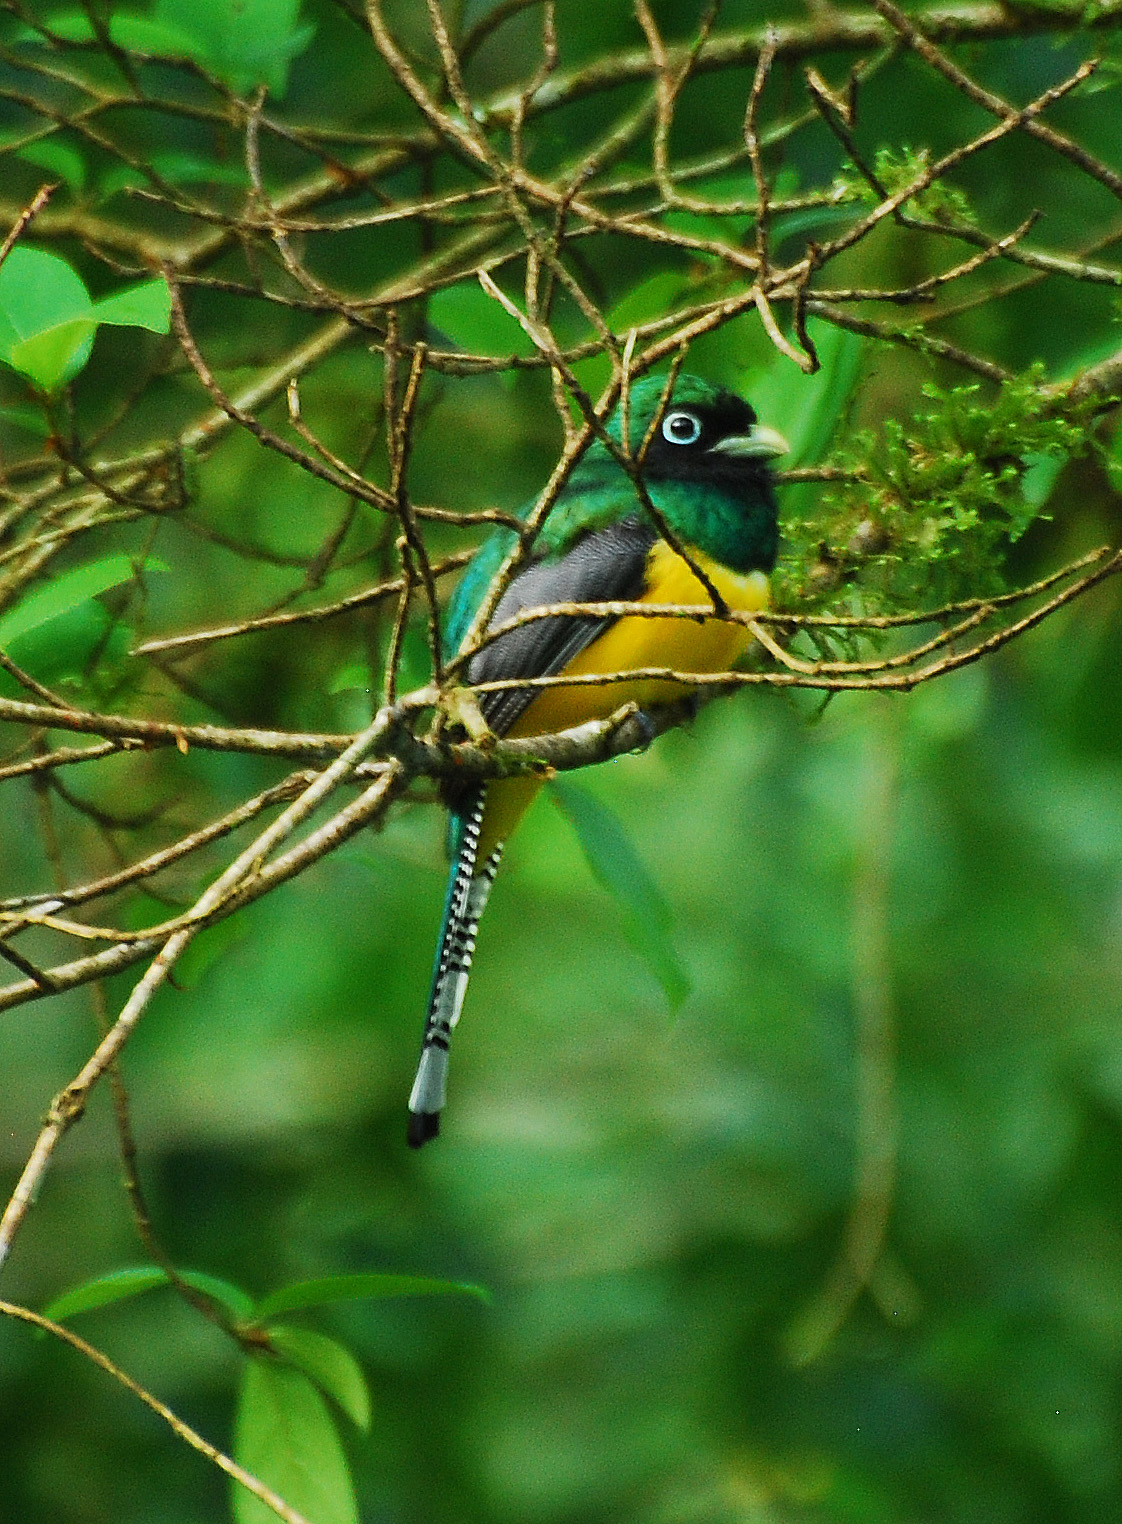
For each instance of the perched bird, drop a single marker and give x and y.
(706, 471)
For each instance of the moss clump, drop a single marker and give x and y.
(938, 504)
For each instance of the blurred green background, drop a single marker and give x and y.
(901, 918)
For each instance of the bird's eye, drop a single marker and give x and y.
(681, 428)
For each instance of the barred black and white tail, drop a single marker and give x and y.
(469, 885)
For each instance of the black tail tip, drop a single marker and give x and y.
(423, 1125)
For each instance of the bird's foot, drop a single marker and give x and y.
(461, 707)
(638, 718)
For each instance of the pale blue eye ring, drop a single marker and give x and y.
(681, 428)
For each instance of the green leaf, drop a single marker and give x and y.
(143, 34)
(46, 317)
(71, 26)
(245, 42)
(238, 1303)
(8, 334)
(67, 591)
(30, 418)
(87, 647)
(206, 948)
(57, 158)
(38, 291)
(140, 34)
(467, 318)
(1040, 475)
(267, 64)
(354, 675)
(118, 1285)
(349, 1288)
(619, 869)
(806, 409)
(54, 356)
(176, 169)
(47, 321)
(1114, 460)
(284, 1434)
(653, 298)
(329, 1364)
(813, 219)
(61, 650)
(145, 306)
(728, 229)
(103, 1290)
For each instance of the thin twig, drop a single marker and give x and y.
(18, 227)
(913, 35)
(70, 1103)
(179, 1428)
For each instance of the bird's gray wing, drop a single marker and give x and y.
(603, 566)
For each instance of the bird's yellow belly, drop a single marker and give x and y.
(686, 645)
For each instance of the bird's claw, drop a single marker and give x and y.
(461, 707)
(646, 727)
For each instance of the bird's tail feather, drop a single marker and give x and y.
(469, 884)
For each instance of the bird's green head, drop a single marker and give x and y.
(707, 468)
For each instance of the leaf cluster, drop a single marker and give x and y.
(934, 506)
(285, 1432)
(941, 200)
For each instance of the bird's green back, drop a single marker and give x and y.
(701, 512)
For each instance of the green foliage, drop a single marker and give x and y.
(121, 1285)
(938, 503)
(465, 317)
(809, 410)
(656, 1203)
(174, 168)
(32, 419)
(619, 869)
(244, 43)
(212, 943)
(897, 168)
(329, 1365)
(66, 592)
(1113, 459)
(284, 1432)
(285, 1436)
(58, 159)
(48, 322)
(46, 317)
(648, 300)
(346, 1288)
(64, 633)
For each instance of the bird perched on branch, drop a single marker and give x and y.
(700, 530)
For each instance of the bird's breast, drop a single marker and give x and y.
(686, 645)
